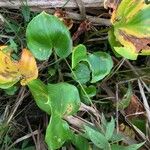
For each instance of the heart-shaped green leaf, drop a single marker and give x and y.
(46, 32)
(65, 99)
(100, 64)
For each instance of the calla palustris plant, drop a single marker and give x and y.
(130, 34)
(11, 71)
(46, 33)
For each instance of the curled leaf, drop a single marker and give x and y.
(11, 71)
(62, 15)
(46, 32)
(27, 67)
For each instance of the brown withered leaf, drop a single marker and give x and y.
(127, 130)
(112, 4)
(83, 27)
(134, 108)
(139, 43)
(63, 17)
(27, 67)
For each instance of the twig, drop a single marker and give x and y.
(84, 107)
(78, 17)
(49, 3)
(23, 138)
(76, 122)
(92, 19)
(18, 102)
(81, 8)
(147, 108)
(132, 68)
(31, 132)
(117, 109)
(146, 87)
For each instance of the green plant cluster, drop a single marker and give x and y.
(47, 35)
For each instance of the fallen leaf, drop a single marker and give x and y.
(83, 27)
(134, 108)
(63, 17)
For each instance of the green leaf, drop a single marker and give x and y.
(81, 73)
(116, 137)
(110, 127)
(139, 123)
(126, 99)
(97, 138)
(103, 122)
(126, 52)
(46, 32)
(90, 92)
(40, 93)
(57, 132)
(139, 24)
(79, 53)
(131, 147)
(80, 142)
(65, 99)
(8, 85)
(131, 29)
(100, 64)
(113, 41)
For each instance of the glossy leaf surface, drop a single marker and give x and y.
(46, 32)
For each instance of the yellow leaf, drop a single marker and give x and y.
(27, 67)
(126, 43)
(9, 74)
